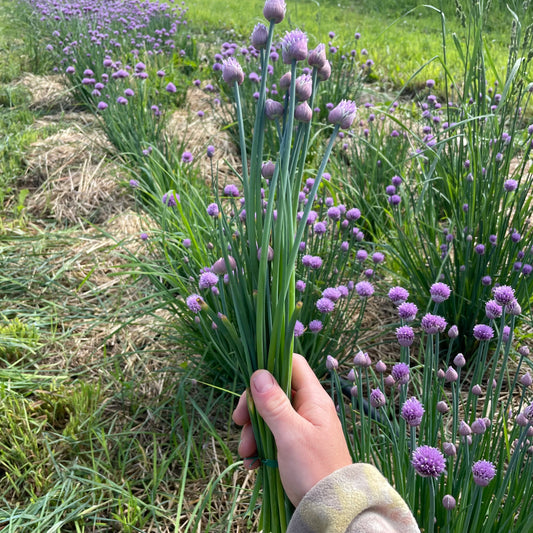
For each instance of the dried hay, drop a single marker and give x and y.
(47, 92)
(200, 132)
(72, 178)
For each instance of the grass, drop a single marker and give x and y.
(400, 36)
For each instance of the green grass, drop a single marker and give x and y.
(400, 36)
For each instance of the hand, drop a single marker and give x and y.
(308, 433)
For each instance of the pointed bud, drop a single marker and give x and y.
(459, 360)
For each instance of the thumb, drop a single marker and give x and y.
(272, 403)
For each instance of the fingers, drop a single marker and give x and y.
(307, 389)
(273, 405)
(241, 416)
(247, 448)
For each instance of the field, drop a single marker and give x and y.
(127, 190)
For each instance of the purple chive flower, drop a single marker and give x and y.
(212, 210)
(194, 303)
(315, 326)
(360, 358)
(207, 280)
(299, 329)
(433, 324)
(482, 332)
(210, 151)
(510, 185)
(377, 398)
(493, 310)
(294, 46)
(479, 249)
(483, 472)
(343, 115)
(170, 198)
(331, 293)
(364, 289)
(219, 266)
(378, 257)
(300, 285)
(187, 157)
(503, 294)
(440, 292)
(412, 411)
(398, 295)
(101, 106)
(144, 236)
(486, 281)
(353, 214)
(400, 373)
(405, 335)
(187, 243)
(274, 10)
(231, 190)
(325, 305)
(428, 461)
(407, 311)
(513, 308)
(316, 262)
(303, 87)
(170, 88)
(122, 101)
(361, 255)
(232, 71)
(320, 228)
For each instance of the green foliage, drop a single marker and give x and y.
(17, 339)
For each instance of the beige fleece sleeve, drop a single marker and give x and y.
(354, 499)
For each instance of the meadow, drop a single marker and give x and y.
(147, 162)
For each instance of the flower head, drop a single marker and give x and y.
(448, 502)
(259, 36)
(274, 10)
(503, 294)
(440, 292)
(405, 335)
(482, 332)
(343, 115)
(171, 88)
(400, 373)
(428, 461)
(433, 324)
(207, 280)
(294, 46)
(325, 305)
(315, 326)
(170, 198)
(232, 71)
(407, 311)
(493, 310)
(299, 329)
(412, 411)
(398, 295)
(364, 289)
(317, 57)
(331, 363)
(377, 398)
(483, 472)
(194, 303)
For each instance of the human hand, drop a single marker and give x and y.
(308, 433)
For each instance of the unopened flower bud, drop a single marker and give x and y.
(259, 36)
(526, 379)
(343, 115)
(317, 57)
(449, 449)
(451, 375)
(274, 10)
(303, 112)
(442, 407)
(448, 502)
(324, 72)
(459, 360)
(331, 363)
(273, 109)
(476, 390)
(464, 429)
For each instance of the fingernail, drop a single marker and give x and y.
(262, 381)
